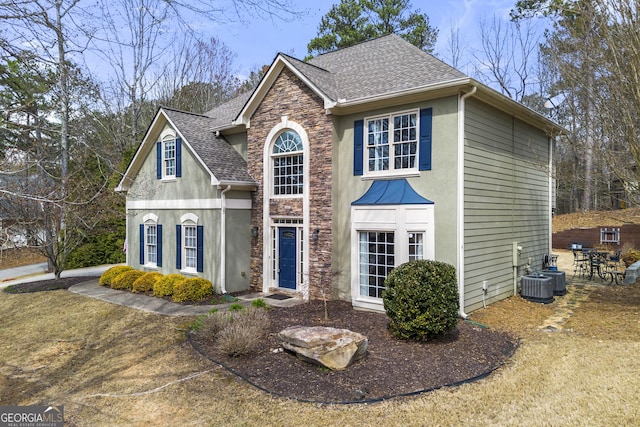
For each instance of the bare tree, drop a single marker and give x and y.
(201, 77)
(508, 56)
(616, 95)
(49, 28)
(455, 46)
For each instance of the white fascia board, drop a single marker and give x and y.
(269, 79)
(515, 108)
(141, 153)
(416, 90)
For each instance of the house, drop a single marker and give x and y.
(333, 171)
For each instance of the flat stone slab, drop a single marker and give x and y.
(632, 274)
(333, 348)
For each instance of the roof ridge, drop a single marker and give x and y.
(177, 110)
(305, 62)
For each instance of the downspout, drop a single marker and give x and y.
(223, 241)
(551, 188)
(460, 202)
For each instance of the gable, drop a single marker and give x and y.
(223, 165)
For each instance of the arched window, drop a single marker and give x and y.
(169, 156)
(288, 170)
(151, 241)
(189, 242)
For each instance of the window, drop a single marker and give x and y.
(398, 143)
(383, 237)
(151, 243)
(377, 259)
(169, 157)
(392, 142)
(189, 244)
(610, 235)
(288, 170)
(416, 246)
(190, 247)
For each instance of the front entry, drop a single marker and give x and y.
(287, 254)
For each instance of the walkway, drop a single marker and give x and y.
(91, 289)
(578, 290)
(167, 308)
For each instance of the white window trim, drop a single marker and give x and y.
(267, 172)
(188, 219)
(282, 155)
(292, 222)
(149, 219)
(166, 135)
(400, 219)
(391, 172)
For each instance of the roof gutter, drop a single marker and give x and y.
(392, 95)
(460, 192)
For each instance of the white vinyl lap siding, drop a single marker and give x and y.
(506, 199)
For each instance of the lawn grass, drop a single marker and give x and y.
(111, 365)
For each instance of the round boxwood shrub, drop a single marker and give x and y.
(421, 299)
(145, 282)
(112, 273)
(193, 289)
(125, 280)
(164, 286)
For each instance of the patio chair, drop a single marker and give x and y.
(581, 263)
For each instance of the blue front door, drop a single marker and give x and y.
(287, 252)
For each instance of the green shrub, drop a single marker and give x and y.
(421, 299)
(145, 282)
(238, 333)
(193, 289)
(236, 306)
(111, 273)
(125, 280)
(164, 286)
(259, 303)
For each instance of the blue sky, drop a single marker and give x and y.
(257, 41)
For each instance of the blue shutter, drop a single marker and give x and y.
(159, 160)
(424, 150)
(141, 244)
(159, 247)
(178, 157)
(179, 247)
(358, 147)
(200, 248)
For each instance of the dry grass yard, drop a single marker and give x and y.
(110, 365)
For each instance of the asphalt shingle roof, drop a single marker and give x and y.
(378, 67)
(222, 160)
(383, 66)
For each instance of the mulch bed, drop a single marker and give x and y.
(47, 285)
(391, 367)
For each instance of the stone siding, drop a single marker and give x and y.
(290, 97)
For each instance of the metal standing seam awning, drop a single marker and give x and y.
(391, 192)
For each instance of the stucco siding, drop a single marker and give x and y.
(437, 184)
(194, 194)
(506, 201)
